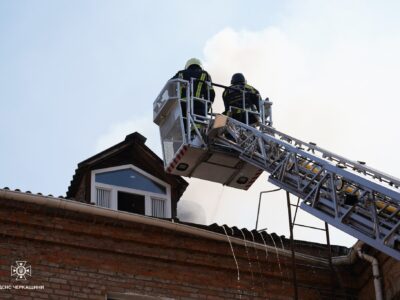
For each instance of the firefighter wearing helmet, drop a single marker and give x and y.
(233, 97)
(194, 69)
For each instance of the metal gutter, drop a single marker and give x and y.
(350, 258)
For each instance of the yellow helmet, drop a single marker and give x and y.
(193, 61)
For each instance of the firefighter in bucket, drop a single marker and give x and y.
(242, 101)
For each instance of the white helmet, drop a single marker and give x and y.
(193, 61)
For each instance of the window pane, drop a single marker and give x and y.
(157, 208)
(131, 203)
(103, 197)
(130, 179)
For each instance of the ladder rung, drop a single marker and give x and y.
(307, 226)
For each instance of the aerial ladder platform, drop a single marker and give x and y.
(347, 194)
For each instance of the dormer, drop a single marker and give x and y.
(128, 177)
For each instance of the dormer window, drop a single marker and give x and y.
(128, 188)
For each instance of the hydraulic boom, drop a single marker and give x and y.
(349, 195)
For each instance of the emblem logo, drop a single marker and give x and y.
(20, 270)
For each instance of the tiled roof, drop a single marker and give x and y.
(272, 239)
(39, 194)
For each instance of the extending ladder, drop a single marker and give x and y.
(347, 194)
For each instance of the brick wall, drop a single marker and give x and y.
(82, 256)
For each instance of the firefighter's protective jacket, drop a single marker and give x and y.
(233, 97)
(199, 87)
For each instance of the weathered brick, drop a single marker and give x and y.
(37, 295)
(78, 258)
(80, 295)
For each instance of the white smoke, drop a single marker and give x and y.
(342, 95)
(190, 211)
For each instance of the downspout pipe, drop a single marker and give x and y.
(375, 272)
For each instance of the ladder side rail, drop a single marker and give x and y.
(347, 175)
(365, 207)
(377, 243)
(350, 163)
(353, 177)
(361, 216)
(313, 148)
(320, 161)
(290, 148)
(361, 221)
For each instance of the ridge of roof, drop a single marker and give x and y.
(133, 138)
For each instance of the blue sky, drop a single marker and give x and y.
(69, 69)
(77, 76)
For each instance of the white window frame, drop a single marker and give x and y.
(155, 200)
(104, 189)
(115, 189)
